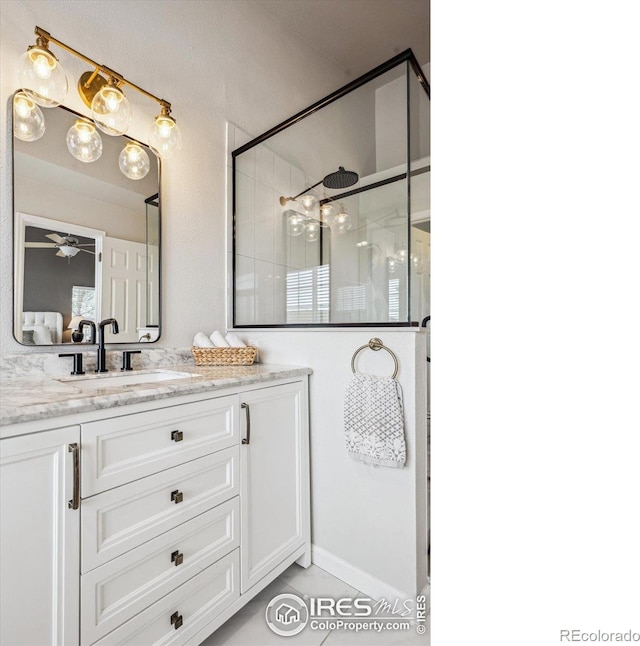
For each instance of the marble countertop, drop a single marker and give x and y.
(30, 398)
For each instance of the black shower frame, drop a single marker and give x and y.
(405, 56)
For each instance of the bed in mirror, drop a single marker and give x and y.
(86, 239)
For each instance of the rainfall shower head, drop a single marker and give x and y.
(340, 179)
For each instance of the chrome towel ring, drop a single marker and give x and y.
(374, 344)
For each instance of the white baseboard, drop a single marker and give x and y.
(355, 577)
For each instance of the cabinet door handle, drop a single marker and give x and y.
(176, 496)
(247, 439)
(74, 503)
(177, 436)
(177, 557)
(176, 620)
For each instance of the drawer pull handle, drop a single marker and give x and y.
(176, 620)
(176, 496)
(177, 557)
(177, 436)
(247, 440)
(74, 503)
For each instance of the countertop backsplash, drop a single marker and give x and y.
(37, 364)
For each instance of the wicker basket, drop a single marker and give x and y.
(224, 356)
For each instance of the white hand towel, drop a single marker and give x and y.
(201, 340)
(235, 341)
(218, 340)
(374, 421)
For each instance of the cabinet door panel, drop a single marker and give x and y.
(39, 540)
(274, 468)
(118, 520)
(119, 450)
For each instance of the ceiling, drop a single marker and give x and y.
(356, 34)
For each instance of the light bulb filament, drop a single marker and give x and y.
(112, 99)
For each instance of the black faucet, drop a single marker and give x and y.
(92, 325)
(101, 365)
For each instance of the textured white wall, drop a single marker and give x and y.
(215, 61)
(373, 519)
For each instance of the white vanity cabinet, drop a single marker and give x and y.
(275, 478)
(39, 539)
(188, 507)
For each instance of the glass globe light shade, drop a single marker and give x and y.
(111, 110)
(84, 141)
(134, 161)
(41, 76)
(402, 255)
(165, 138)
(308, 200)
(295, 225)
(326, 213)
(312, 231)
(417, 263)
(342, 222)
(28, 120)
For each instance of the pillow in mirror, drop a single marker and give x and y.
(41, 334)
(27, 337)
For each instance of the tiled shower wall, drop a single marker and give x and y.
(265, 252)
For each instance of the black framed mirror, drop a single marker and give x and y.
(87, 240)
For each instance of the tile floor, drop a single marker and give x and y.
(249, 628)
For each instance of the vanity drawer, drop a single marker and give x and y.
(119, 520)
(119, 450)
(116, 591)
(182, 613)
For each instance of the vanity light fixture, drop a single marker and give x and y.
(44, 81)
(326, 211)
(28, 120)
(110, 109)
(340, 179)
(415, 260)
(40, 74)
(341, 221)
(134, 161)
(295, 223)
(312, 231)
(402, 255)
(308, 200)
(84, 142)
(165, 136)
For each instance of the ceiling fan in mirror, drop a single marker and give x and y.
(68, 246)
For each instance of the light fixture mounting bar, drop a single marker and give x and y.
(284, 200)
(47, 37)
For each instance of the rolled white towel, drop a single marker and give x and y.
(201, 340)
(218, 340)
(235, 341)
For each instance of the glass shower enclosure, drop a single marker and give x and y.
(331, 209)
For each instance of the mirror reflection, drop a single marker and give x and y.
(86, 235)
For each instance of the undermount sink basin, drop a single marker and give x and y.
(116, 380)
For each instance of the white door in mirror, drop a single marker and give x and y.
(124, 268)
